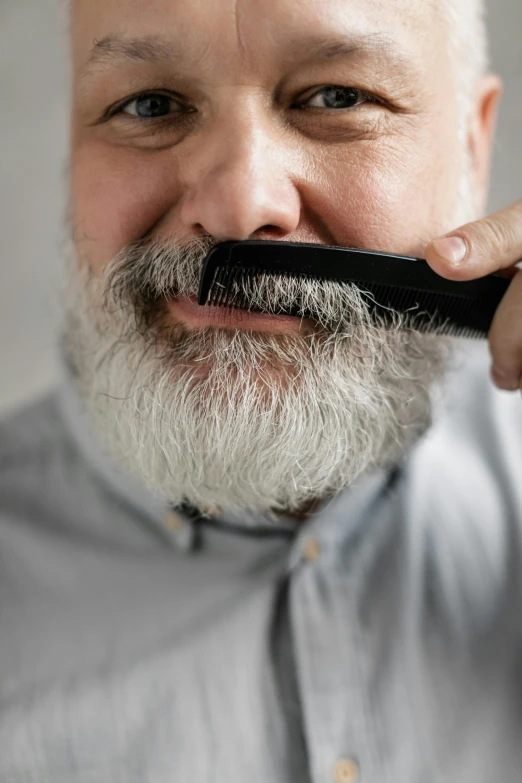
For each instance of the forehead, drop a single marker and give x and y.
(249, 28)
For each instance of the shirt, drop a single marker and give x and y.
(380, 641)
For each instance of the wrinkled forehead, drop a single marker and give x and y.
(255, 30)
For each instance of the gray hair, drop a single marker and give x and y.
(469, 45)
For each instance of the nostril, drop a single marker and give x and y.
(273, 233)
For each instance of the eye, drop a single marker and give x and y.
(336, 97)
(149, 106)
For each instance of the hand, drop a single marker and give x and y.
(493, 244)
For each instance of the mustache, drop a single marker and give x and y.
(146, 272)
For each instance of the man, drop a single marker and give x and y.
(268, 549)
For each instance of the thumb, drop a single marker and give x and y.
(480, 248)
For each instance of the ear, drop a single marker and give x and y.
(482, 132)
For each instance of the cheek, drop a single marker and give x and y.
(117, 197)
(389, 199)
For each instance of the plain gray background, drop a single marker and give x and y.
(33, 154)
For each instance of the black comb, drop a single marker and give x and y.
(398, 283)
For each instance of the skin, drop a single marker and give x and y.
(247, 165)
(492, 245)
(238, 159)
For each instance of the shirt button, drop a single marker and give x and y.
(174, 522)
(311, 549)
(346, 771)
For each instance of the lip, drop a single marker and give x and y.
(187, 310)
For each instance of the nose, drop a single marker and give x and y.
(237, 186)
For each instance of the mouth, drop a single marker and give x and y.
(187, 310)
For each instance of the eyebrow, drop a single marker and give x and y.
(325, 47)
(116, 49)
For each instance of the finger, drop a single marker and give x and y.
(480, 248)
(505, 338)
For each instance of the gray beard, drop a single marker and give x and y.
(243, 421)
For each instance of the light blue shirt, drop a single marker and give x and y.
(381, 641)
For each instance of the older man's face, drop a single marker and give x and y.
(328, 121)
(250, 140)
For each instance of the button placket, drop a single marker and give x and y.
(324, 607)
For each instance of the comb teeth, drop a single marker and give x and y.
(426, 311)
